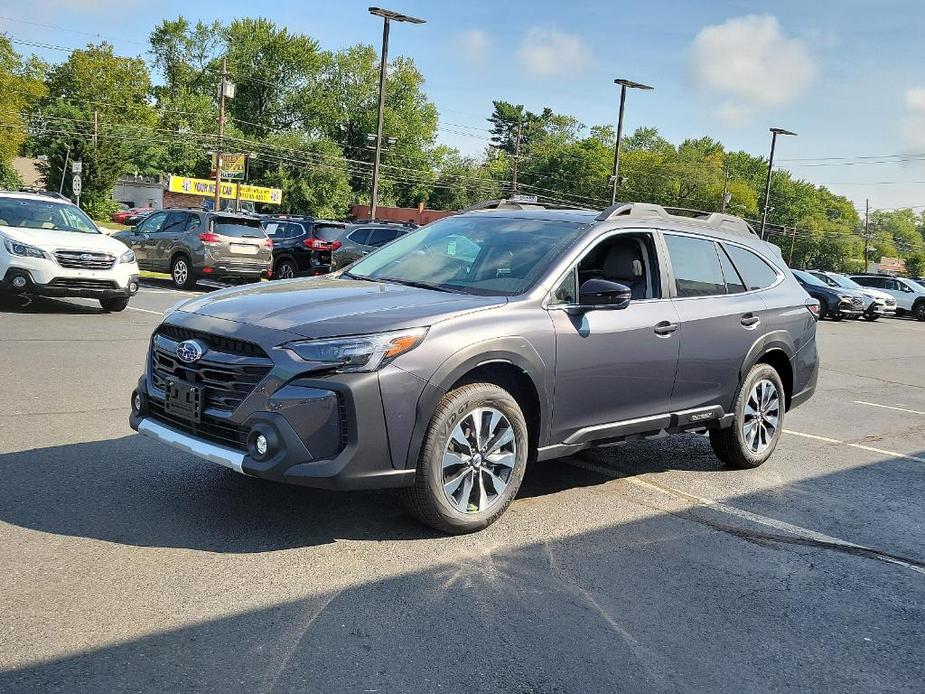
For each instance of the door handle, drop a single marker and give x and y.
(750, 320)
(665, 328)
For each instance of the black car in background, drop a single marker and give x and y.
(363, 238)
(834, 302)
(302, 245)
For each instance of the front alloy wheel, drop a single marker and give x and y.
(478, 460)
(472, 460)
(181, 273)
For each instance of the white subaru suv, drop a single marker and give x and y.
(49, 247)
(909, 295)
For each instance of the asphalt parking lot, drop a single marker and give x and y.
(649, 567)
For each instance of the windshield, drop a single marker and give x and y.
(44, 214)
(807, 278)
(845, 282)
(239, 228)
(476, 254)
(831, 281)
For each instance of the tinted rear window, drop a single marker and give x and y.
(241, 228)
(756, 272)
(327, 232)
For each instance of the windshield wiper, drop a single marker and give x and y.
(419, 285)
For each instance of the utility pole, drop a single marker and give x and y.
(387, 17)
(624, 85)
(726, 196)
(516, 158)
(221, 135)
(866, 232)
(793, 240)
(767, 186)
(96, 128)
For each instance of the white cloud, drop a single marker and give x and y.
(914, 123)
(474, 45)
(548, 52)
(750, 62)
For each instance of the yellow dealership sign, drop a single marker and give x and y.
(229, 191)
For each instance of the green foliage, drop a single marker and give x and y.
(9, 178)
(915, 264)
(21, 84)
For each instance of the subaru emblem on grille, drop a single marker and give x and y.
(86, 256)
(189, 351)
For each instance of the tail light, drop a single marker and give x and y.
(269, 244)
(812, 305)
(309, 242)
(209, 237)
(335, 245)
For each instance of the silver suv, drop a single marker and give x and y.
(447, 360)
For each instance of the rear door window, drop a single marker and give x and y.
(380, 237)
(756, 273)
(734, 283)
(152, 223)
(176, 223)
(360, 236)
(696, 267)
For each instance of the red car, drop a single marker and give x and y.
(119, 216)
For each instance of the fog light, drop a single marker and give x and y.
(19, 282)
(261, 445)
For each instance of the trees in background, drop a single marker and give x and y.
(305, 116)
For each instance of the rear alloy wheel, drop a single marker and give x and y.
(285, 270)
(918, 311)
(759, 419)
(181, 273)
(472, 461)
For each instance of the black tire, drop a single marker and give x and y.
(836, 316)
(918, 311)
(285, 269)
(182, 280)
(823, 309)
(871, 317)
(730, 444)
(426, 499)
(114, 304)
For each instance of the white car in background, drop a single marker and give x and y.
(909, 295)
(879, 303)
(49, 247)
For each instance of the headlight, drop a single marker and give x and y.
(127, 257)
(22, 249)
(845, 297)
(360, 353)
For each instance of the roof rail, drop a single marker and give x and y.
(46, 193)
(644, 210)
(511, 204)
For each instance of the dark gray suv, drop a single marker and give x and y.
(199, 244)
(446, 361)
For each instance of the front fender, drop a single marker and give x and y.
(510, 350)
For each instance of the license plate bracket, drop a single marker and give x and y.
(184, 400)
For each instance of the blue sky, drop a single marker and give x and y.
(847, 75)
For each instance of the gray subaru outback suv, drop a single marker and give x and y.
(446, 361)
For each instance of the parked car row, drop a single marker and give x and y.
(864, 295)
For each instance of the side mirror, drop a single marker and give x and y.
(601, 293)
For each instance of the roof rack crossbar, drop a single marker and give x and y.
(715, 220)
(508, 204)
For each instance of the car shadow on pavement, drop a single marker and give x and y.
(15, 303)
(663, 602)
(132, 491)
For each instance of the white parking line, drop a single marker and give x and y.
(789, 528)
(888, 407)
(144, 310)
(859, 446)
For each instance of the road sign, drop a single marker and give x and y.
(77, 167)
(76, 184)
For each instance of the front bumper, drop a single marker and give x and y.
(90, 286)
(323, 430)
(849, 309)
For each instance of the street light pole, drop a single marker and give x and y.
(767, 186)
(387, 17)
(624, 85)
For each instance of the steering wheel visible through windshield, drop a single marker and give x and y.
(44, 214)
(475, 254)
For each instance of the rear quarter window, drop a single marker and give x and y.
(755, 272)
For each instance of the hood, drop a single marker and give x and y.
(329, 307)
(874, 293)
(49, 240)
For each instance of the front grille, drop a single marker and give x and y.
(82, 283)
(857, 302)
(84, 260)
(891, 302)
(227, 376)
(219, 343)
(209, 428)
